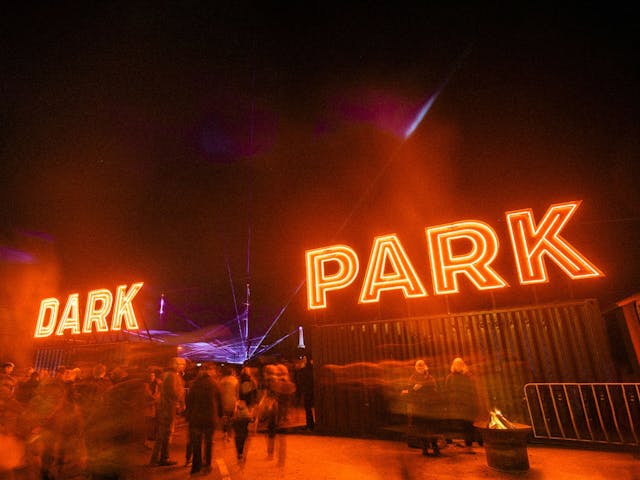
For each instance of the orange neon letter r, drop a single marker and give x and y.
(319, 282)
(476, 264)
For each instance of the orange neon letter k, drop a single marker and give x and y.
(123, 308)
(319, 282)
(531, 243)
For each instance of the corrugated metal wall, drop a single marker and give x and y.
(112, 354)
(361, 367)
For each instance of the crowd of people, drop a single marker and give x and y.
(451, 406)
(93, 422)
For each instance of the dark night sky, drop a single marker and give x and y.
(141, 143)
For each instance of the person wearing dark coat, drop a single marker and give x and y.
(305, 381)
(462, 398)
(203, 409)
(241, 419)
(26, 390)
(248, 390)
(171, 402)
(423, 403)
(117, 430)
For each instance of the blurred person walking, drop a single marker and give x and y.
(12, 431)
(90, 394)
(423, 408)
(58, 427)
(171, 402)
(25, 390)
(152, 399)
(229, 391)
(118, 429)
(278, 388)
(462, 399)
(203, 409)
(248, 390)
(241, 419)
(7, 368)
(305, 382)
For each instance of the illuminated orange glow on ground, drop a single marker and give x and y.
(319, 282)
(446, 266)
(532, 243)
(99, 303)
(388, 251)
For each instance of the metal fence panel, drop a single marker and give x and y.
(585, 412)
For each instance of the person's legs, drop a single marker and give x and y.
(468, 433)
(160, 452)
(435, 447)
(308, 409)
(188, 454)
(195, 435)
(226, 424)
(282, 448)
(241, 439)
(208, 445)
(271, 435)
(164, 447)
(150, 434)
(241, 432)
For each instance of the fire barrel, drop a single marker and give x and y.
(506, 449)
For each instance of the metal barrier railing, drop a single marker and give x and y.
(605, 413)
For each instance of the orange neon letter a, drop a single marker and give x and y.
(70, 319)
(531, 243)
(319, 282)
(387, 249)
(447, 265)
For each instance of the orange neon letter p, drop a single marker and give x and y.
(387, 250)
(447, 265)
(319, 282)
(531, 243)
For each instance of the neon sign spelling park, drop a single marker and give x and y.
(99, 306)
(336, 267)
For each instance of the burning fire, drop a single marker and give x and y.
(498, 421)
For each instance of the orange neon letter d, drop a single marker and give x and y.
(446, 265)
(319, 282)
(45, 327)
(531, 243)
